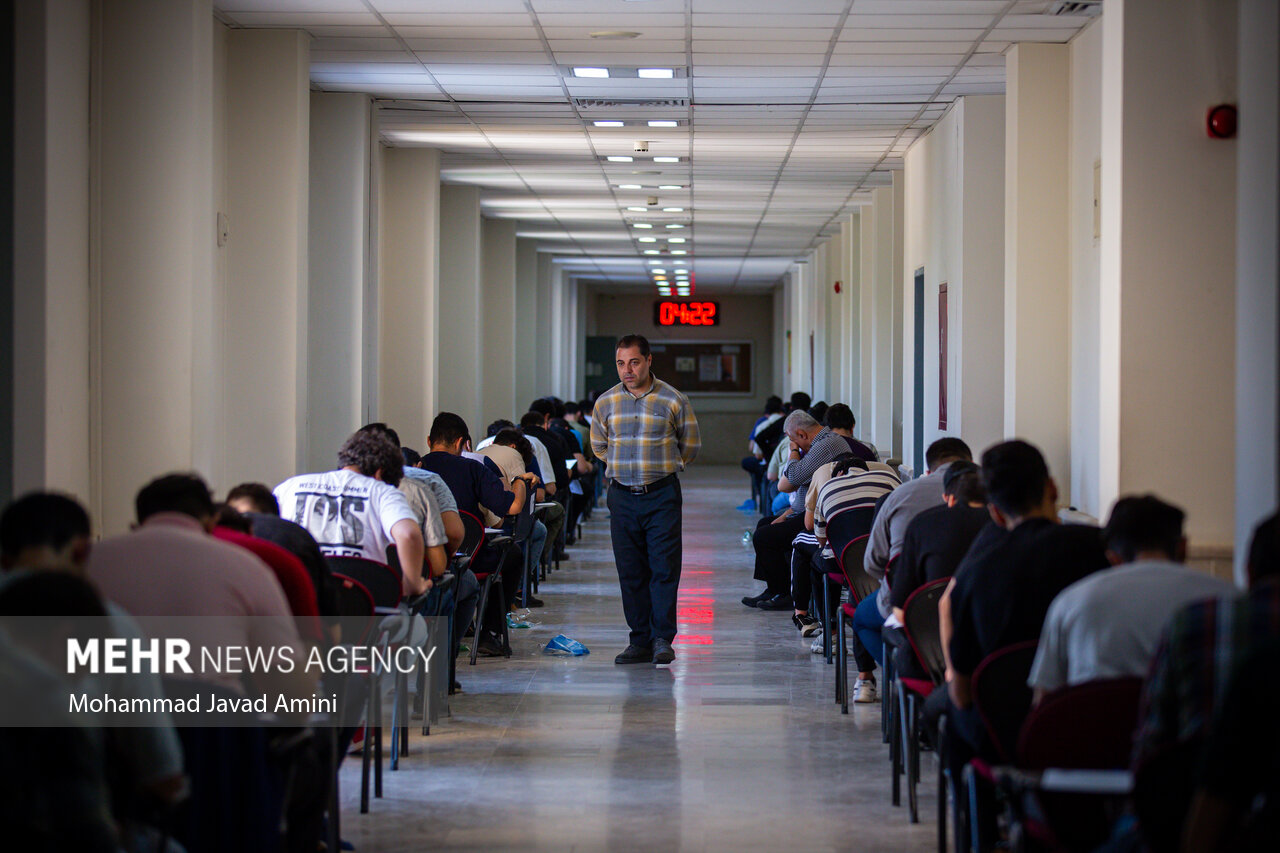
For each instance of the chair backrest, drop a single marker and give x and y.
(355, 609)
(472, 537)
(1002, 697)
(382, 581)
(524, 521)
(1088, 726)
(844, 527)
(1163, 786)
(860, 583)
(920, 620)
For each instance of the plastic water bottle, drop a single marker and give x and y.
(746, 536)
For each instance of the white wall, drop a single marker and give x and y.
(1085, 151)
(954, 228)
(526, 344)
(498, 319)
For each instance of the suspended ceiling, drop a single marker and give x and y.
(788, 111)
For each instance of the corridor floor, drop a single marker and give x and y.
(736, 746)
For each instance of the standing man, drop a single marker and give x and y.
(645, 432)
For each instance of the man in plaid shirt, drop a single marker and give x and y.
(645, 432)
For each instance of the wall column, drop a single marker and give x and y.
(153, 383)
(498, 320)
(408, 272)
(339, 295)
(897, 307)
(459, 352)
(51, 248)
(264, 346)
(1257, 275)
(1168, 261)
(878, 409)
(525, 345)
(1037, 390)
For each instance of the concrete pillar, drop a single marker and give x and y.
(1036, 253)
(779, 339)
(544, 366)
(847, 306)
(1168, 261)
(897, 283)
(526, 343)
(876, 422)
(408, 272)
(51, 248)
(460, 346)
(340, 295)
(498, 321)
(264, 347)
(153, 386)
(1257, 274)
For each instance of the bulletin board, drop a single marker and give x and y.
(705, 367)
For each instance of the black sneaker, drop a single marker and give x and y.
(533, 602)
(754, 600)
(662, 652)
(781, 601)
(490, 647)
(635, 654)
(806, 624)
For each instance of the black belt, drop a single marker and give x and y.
(647, 487)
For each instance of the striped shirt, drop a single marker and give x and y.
(826, 446)
(856, 489)
(645, 438)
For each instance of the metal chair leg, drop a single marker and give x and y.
(910, 752)
(479, 620)
(842, 670)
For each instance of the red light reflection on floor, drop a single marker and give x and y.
(695, 615)
(694, 573)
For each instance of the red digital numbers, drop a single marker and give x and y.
(686, 314)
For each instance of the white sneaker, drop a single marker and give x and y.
(816, 648)
(864, 692)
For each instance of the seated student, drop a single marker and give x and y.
(356, 511)
(756, 460)
(811, 446)
(1202, 645)
(231, 526)
(422, 498)
(170, 566)
(1004, 585)
(476, 488)
(890, 529)
(1237, 804)
(44, 532)
(257, 503)
(506, 453)
(1093, 628)
(54, 791)
(841, 421)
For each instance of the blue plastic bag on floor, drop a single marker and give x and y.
(562, 645)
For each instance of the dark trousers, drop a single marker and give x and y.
(755, 468)
(806, 558)
(773, 552)
(647, 550)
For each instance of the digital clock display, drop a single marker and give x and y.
(686, 313)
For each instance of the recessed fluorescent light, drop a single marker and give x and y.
(675, 239)
(659, 271)
(670, 187)
(647, 239)
(629, 186)
(675, 225)
(614, 34)
(638, 209)
(679, 264)
(591, 72)
(655, 263)
(619, 158)
(673, 210)
(666, 159)
(679, 252)
(652, 252)
(656, 73)
(607, 123)
(663, 123)
(642, 225)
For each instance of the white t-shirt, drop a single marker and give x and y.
(349, 514)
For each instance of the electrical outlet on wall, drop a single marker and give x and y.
(224, 229)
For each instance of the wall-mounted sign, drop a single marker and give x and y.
(666, 313)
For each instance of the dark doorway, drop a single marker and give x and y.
(6, 249)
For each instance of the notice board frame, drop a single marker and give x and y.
(665, 352)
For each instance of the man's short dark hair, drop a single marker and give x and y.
(257, 494)
(543, 406)
(447, 428)
(59, 594)
(800, 400)
(557, 407)
(1014, 474)
(497, 427)
(1264, 551)
(819, 411)
(773, 405)
(226, 516)
(379, 428)
(411, 456)
(945, 450)
(840, 416)
(516, 440)
(629, 341)
(963, 481)
(41, 519)
(184, 493)
(531, 419)
(571, 408)
(371, 452)
(1143, 523)
(846, 461)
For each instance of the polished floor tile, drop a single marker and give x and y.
(736, 746)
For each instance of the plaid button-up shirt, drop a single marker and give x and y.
(645, 438)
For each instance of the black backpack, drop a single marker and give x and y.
(770, 437)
